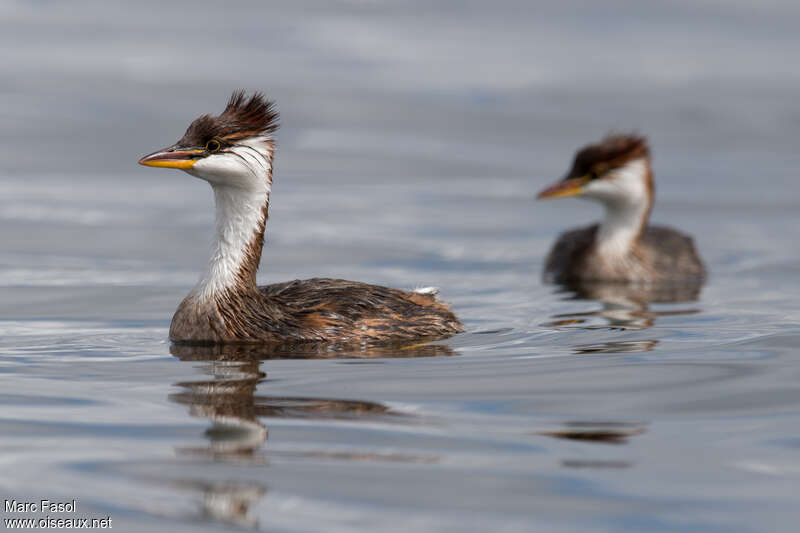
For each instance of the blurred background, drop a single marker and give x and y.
(470, 98)
(375, 90)
(414, 137)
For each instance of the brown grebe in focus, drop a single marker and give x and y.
(234, 153)
(623, 247)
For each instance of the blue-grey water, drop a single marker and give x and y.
(415, 136)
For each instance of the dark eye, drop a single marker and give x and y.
(213, 145)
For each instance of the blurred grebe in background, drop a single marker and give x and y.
(234, 153)
(623, 247)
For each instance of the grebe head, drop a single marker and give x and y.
(615, 172)
(232, 149)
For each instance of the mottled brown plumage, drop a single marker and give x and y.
(623, 248)
(313, 310)
(234, 153)
(660, 254)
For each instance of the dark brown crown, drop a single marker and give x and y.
(612, 152)
(243, 117)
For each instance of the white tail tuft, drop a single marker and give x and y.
(430, 291)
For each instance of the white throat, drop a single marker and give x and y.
(241, 195)
(626, 198)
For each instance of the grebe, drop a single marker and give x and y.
(233, 152)
(623, 247)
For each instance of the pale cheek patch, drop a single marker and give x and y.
(630, 181)
(625, 185)
(246, 165)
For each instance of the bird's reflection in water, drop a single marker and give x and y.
(226, 502)
(227, 400)
(625, 307)
(596, 433)
(265, 352)
(227, 397)
(616, 347)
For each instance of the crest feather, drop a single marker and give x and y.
(255, 113)
(613, 151)
(244, 116)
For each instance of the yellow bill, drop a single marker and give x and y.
(564, 188)
(170, 158)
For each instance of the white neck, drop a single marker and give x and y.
(241, 185)
(620, 228)
(626, 197)
(239, 214)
